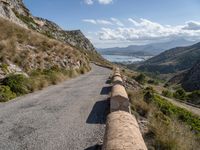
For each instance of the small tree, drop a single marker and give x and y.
(194, 97)
(6, 94)
(167, 93)
(18, 83)
(141, 78)
(180, 94)
(149, 95)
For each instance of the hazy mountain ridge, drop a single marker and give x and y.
(146, 50)
(173, 60)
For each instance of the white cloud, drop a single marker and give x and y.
(104, 22)
(111, 21)
(117, 21)
(98, 21)
(192, 25)
(88, 2)
(144, 30)
(92, 21)
(134, 22)
(104, 2)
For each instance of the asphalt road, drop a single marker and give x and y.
(68, 116)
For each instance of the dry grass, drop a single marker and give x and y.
(165, 133)
(46, 61)
(171, 134)
(18, 44)
(137, 103)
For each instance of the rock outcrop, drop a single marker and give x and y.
(15, 11)
(8, 9)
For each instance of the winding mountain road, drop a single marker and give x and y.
(68, 116)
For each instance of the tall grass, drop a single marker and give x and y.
(169, 127)
(46, 61)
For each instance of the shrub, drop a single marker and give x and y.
(167, 93)
(4, 68)
(18, 83)
(141, 78)
(148, 95)
(154, 82)
(82, 70)
(194, 97)
(180, 94)
(142, 108)
(170, 134)
(137, 103)
(182, 114)
(54, 76)
(6, 94)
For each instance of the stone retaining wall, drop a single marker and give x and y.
(122, 129)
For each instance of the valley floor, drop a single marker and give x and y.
(68, 116)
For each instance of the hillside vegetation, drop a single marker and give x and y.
(190, 81)
(30, 61)
(173, 60)
(164, 125)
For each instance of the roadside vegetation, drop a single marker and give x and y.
(181, 94)
(18, 84)
(30, 61)
(169, 127)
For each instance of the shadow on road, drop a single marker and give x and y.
(106, 90)
(95, 147)
(99, 112)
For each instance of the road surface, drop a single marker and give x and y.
(68, 116)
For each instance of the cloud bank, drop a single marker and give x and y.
(104, 2)
(144, 29)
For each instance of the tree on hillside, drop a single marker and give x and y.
(180, 94)
(141, 78)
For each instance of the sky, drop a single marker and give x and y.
(111, 23)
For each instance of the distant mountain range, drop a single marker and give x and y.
(173, 60)
(146, 50)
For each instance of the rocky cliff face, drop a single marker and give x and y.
(7, 9)
(15, 11)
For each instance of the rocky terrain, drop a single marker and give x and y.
(15, 11)
(23, 51)
(8, 9)
(35, 50)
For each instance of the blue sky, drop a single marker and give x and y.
(110, 23)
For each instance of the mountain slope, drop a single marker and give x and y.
(149, 49)
(191, 79)
(15, 11)
(173, 60)
(23, 50)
